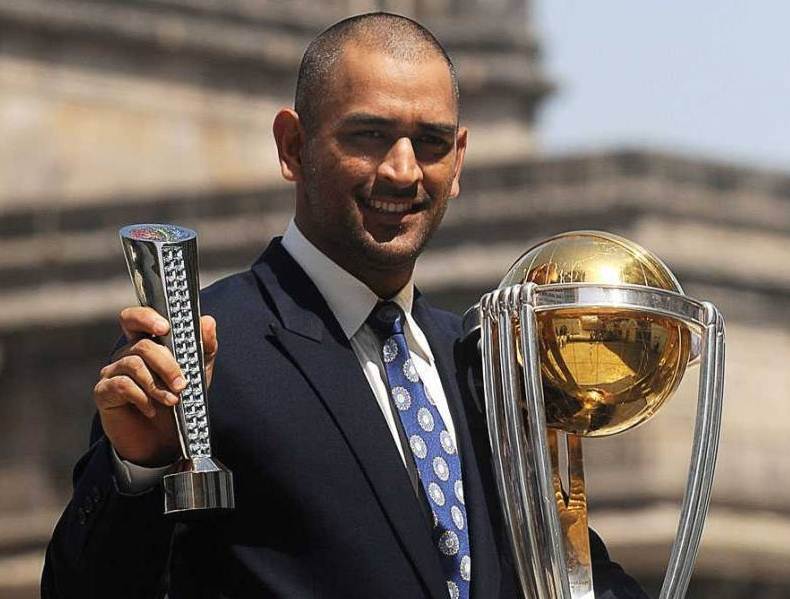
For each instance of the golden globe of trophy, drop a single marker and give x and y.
(588, 335)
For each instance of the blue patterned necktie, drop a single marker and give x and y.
(432, 446)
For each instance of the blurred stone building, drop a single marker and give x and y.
(113, 112)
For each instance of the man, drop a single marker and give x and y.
(315, 381)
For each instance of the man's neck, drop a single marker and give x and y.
(384, 282)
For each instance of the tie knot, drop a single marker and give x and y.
(386, 319)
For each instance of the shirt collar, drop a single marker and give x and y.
(349, 299)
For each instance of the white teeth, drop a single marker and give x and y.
(388, 206)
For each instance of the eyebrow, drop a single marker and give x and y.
(364, 118)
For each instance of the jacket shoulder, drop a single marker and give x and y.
(235, 294)
(229, 286)
(444, 319)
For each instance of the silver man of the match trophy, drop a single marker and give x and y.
(588, 335)
(163, 265)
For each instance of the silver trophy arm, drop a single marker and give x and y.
(703, 457)
(500, 445)
(558, 552)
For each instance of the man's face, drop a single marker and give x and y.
(382, 162)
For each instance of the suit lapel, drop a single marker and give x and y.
(485, 562)
(314, 341)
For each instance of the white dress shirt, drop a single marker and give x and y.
(351, 302)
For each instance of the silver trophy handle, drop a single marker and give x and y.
(526, 476)
(162, 263)
(703, 458)
(504, 469)
(559, 553)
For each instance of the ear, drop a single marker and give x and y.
(289, 137)
(460, 152)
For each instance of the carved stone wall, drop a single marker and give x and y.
(105, 99)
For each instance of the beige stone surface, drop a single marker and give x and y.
(498, 141)
(735, 545)
(741, 255)
(76, 136)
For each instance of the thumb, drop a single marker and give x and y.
(208, 331)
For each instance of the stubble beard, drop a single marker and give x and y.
(350, 239)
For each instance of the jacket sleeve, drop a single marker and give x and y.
(610, 581)
(107, 544)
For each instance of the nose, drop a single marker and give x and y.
(399, 166)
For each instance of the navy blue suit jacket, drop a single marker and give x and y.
(324, 506)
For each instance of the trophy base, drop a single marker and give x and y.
(196, 486)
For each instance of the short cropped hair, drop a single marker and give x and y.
(395, 35)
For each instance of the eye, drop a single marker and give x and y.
(431, 140)
(368, 134)
(364, 140)
(431, 147)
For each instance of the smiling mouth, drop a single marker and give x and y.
(393, 207)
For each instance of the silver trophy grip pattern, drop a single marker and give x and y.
(185, 345)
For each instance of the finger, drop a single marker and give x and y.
(119, 391)
(208, 328)
(136, 369)
(140, 321)
(161, 362)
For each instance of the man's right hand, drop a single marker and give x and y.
(136, 392)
